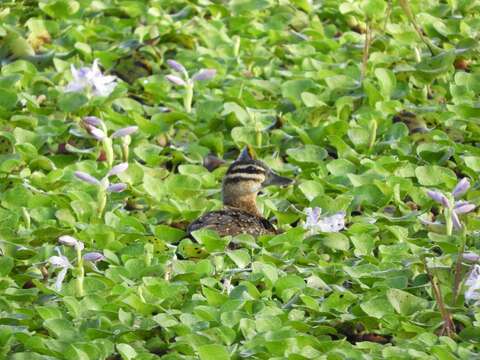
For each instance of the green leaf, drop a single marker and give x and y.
(8, 99)
(71, 101)
(293, 89)
(374, 9)
(308, 154)
(240, 257)
(213, 352)
(386, 78)
(336, 241)
(405, 303)
(126, 351)
(6, 265)
(433, 175)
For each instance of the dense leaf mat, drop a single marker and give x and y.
(367, 104)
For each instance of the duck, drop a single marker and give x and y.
(242, 182)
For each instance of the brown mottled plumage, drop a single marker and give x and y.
(241, 184)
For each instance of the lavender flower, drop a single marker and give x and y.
(71, 241)
(118, 169)
(459, 207)
(92, 79)
(461, 188)
(119, 187)
(104, 183)
(471, 256)
(124, 132)
(97, 133)
(64, 264)
(439, 197)
(473, 285)
(463, 207)
(176, 80)
(186, 82)
(315, 223)
(176, 66)
(93, 121)
(87, 178)
(93, 257)
(204, 74)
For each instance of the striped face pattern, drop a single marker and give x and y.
(246, 171)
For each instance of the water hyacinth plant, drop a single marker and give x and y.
(453, 208)
(91, 80)
(104, 186)
(472, 293)
(97, 128)
(80, 272)
(315, 223)
(63, 264)
(188, 83)
(367, 104)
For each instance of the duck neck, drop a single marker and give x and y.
(246, 203)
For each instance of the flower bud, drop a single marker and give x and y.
(461, 188)
(93, 256)
(204, 74)
(176, 80)
(96, 133)
(93, 121)
(124, 131)
(87, 177)
(176, 66)
(463, 207)
(118, 169)
(68, 240)
(117, 188)
(439, 198)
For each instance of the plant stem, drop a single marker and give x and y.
(373, 134)
(101, 201)
(366, 49)
(408, 11)
(448, 326)
(108, 148)
(458, 266)
(80, 273)
(387, 15)
(187, 100)
(448, 221)
(125, 147)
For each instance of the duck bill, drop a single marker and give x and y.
(275, 179)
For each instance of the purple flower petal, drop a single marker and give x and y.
(313, 216)
(117, 188)
(176, 66)
(461, 188)
(124, 131)
(96, 133)
(93, 121)
(60, 277)
(204, 74)
(176, 80)
(439, 197)
(87, 178)
(471, 256)
(457, 225)
(473, 284)
(93, 256)
(117, 169)
(91, 78)
(463, 207)
(59, 261)
(68, 240)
